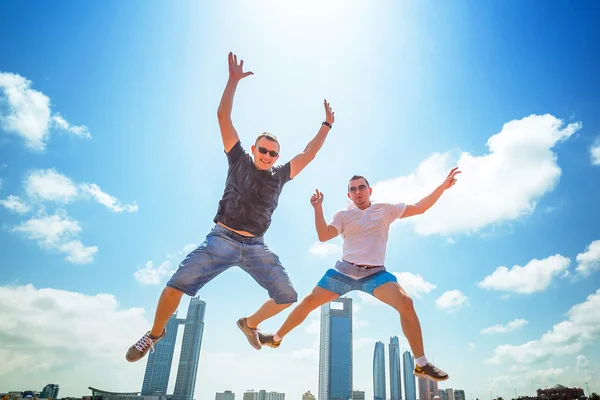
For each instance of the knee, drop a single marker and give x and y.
(172, 293)
(309, 303)
(405, 304)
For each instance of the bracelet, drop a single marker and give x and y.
(327, 124)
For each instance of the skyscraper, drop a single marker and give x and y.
(308, 396)
(358, 395)
(263, 395)
(379, 372)
(410, 391)
(395, 373)
(433, 389)
(459, 394)
(449, 394)
(190, 351)
(158, 367)
(226, 395)
(335, 358)
(50, 391)
(424, 392)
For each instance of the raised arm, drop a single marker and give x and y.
(428, 201)
(236, 74)
(324, 232)
(299, 162)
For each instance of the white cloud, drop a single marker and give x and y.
(107, 200)
(533, 277)
(59, 233)
(26, 112)
(525, 379)
(451, 301)
(151, 275)
(510, 327)
(567, 337)
(472, 346)
(81, 130)
(595, 152)
(49, 331)
(14, 203)
(50, 185)
(414, 285)
(589, 261)
(325, 249)
(503, 185)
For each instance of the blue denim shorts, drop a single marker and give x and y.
(336, 282)
(223, 249)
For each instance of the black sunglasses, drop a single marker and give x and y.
(264, 150)
(354, 188)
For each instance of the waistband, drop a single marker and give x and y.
(237, 237)
(363, 266)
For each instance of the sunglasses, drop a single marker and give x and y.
(355, 188)
(264, 150)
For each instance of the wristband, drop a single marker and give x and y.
(327, 124)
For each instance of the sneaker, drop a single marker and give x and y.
(251, 334)
(141, 347)
(430, 371)
(268, 339)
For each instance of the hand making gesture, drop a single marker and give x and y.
(451, 178)
(316, 200)
(329, 114)
(236, 70)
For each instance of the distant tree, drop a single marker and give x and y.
(594, 396)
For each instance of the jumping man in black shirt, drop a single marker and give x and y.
(244, 214)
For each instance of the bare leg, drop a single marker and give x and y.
(266, 311)
(317, 298)
(393, 294)
(167, 304)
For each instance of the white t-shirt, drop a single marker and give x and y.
(365, 232)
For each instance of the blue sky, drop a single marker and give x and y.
(111, 164)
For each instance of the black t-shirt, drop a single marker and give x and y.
(250, 195)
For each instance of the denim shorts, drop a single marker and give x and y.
(336, 282)
(223, 249)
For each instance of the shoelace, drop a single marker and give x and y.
(144, 342)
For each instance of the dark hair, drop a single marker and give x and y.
(359, 177)
(268, 136)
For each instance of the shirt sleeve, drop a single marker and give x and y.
(338, 221)
(236, 152)
(395, 211)
(284, 173)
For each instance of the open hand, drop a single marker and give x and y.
(329, 114)
(236, 70)
(316, 200)
(451, 178)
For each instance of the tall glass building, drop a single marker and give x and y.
(335, 355)
(410, 390)
(379, 372)
(190, 351)
(395, 373)
(158, 367)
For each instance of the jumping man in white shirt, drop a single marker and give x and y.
(364, 227)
